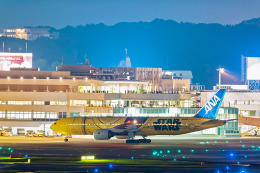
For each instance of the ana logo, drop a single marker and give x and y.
(211, 103)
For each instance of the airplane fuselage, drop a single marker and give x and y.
(146, 125)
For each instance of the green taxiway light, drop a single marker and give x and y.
(243, 146)
(9, 148)
(253, 146)
(168, 151)
(192, 151)
(1, 148)
(161, 152)
(179, 151)
(216, 142)
(183, 157)
(206, 150)
(202, 143)
(207, 142)
(226, 141)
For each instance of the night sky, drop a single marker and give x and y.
(60, 13)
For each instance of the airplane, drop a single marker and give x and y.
(104, 128)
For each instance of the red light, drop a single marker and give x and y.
(129, 122)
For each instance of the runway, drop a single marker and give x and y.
(224, 153)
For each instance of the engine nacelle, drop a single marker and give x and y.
(103, 134)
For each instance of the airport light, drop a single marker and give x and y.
(21, 78)
(87, 157)
(220, 70)
(110, 166)
(8, 78)
(34, 78)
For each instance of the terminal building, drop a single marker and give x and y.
(33, 99)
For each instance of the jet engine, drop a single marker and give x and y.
(103, 134)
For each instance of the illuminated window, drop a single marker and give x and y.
(78, 102)
(2, 114)
(51, 115)
(2, 102)
(58, 103)
(19, 115)
(38, 102)
(39, 115)
(19, 102)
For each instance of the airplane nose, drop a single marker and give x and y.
(53, 127)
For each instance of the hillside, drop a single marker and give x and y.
(201, 48)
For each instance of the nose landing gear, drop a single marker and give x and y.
(66, 138)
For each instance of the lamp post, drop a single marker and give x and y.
(220, 70)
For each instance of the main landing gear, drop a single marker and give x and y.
(137, 141)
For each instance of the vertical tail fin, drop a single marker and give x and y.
(210, 109)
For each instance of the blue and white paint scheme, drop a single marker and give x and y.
(210, 110)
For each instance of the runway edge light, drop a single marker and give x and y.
(87, 157)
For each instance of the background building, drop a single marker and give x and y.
(158, 81)
(250, 72)
(29, 33)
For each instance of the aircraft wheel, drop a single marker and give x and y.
(148, 141)
(66, 140)
(128, 141)
(142, 140)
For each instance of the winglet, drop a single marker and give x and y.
(210, 109)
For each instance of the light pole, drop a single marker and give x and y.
(220, 70)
